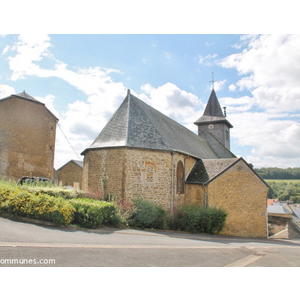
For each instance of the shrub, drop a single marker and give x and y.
(194, 218)
(148, 215)
(54, 191)
(40, 206)
(92, 213)
(127, 209)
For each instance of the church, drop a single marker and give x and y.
(141, 153)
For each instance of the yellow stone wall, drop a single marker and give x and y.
(244, 197)
(133, 173)
(103, 171)
(27, 139)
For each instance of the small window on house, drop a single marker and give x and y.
(180, 178)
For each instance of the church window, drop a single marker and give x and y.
(180, 178)
(149, 173)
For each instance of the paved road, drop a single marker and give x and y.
(25, 244)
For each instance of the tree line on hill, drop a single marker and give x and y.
(282, 189)
(278, 173)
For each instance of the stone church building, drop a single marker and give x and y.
(27, 137)
(143, 153)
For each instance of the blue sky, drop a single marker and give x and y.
(165, 52)
(83, 79)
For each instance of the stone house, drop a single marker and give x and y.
(143, 153)
(27, 137)
(70, 174)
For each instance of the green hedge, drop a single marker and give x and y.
(52, 191)
(193, 218)
(92, 213)
(40, 206)
(86, 213)
(148, 215)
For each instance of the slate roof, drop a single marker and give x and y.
(205, 170)
(216, 145)
(296, 212)
(213, 112)
(138, 125)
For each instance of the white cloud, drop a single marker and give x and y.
(207, 60)
(168, 55)
(232, 87)
(6, 48)
(218, 84)
(84, 119)
(173, 102)
(30, 50)
(270, 67)
(6, 90)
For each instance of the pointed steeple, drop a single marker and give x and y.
(213, 111)
(213, 107)
(214, 121)
(137, 125)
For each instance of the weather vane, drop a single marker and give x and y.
(213, 80)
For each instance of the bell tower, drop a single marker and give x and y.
(214, 121)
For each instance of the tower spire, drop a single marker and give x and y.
(213, 80)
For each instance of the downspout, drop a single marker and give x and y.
(172, 183)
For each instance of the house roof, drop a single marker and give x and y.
(138, 125)
(27, 97)
(278, 209)
(78, 163)
(272, 201)
(296, 212)
(206, 170)
(213, 112)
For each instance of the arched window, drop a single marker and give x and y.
(180, 178)
(149, 174)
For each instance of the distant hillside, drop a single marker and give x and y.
(278, 173)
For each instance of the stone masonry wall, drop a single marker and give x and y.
(148, 176)
(69, 174)
(27, 139)
(194, 194)
(103, 171)
(135, 173)
(244, 196)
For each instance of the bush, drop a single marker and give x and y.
(193, 218)
(37, 206)
(148, 215)
(127, 209)
(91, 213)
(54, 191)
